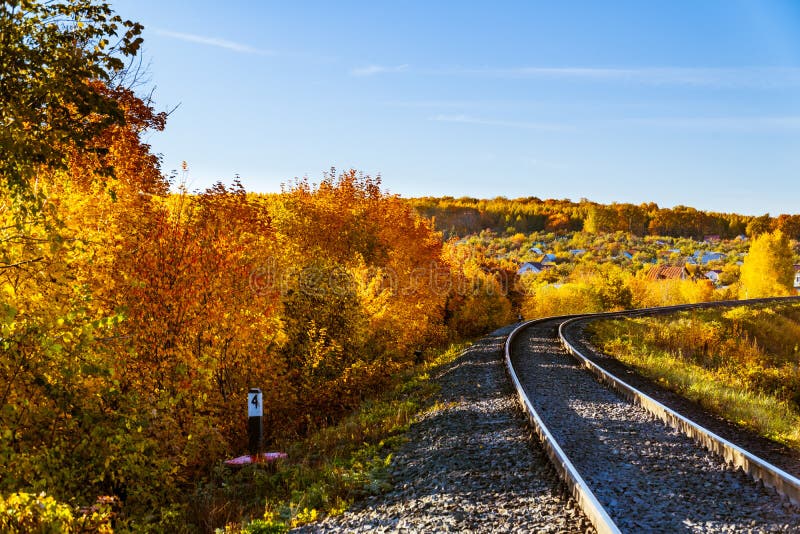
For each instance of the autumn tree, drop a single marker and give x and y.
(57, 60)
(64, 412)
(612, 288)
(359, 271)
(50, 52)
(768, 269)
(759, 225)
(789, 225)
(478, 299)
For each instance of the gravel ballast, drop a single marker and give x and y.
(649, 477)
(469, 465)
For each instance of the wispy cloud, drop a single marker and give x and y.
(440, 104)
(371, 70)
(734, 124)
(759, 77)
(728, 124)
(733, 77)
(467, 119)
(216, 42)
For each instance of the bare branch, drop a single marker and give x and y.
(21, 263)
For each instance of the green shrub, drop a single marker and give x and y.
(28, 513)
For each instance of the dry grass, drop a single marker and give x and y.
(740, 363)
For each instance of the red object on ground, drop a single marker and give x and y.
(258, 459)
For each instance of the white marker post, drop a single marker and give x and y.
(255, 430)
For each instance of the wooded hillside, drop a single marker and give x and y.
(464, 216)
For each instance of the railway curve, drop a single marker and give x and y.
(627, 469)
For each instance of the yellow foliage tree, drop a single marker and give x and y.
(768, 269)
(549, 300)
(478, 300)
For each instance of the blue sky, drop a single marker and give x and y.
(675, 102)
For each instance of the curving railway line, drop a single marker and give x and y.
(632, 463)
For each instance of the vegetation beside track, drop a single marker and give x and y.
(741, 363)
(332, 467)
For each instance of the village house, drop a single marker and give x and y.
(668, 272)
(797, 277)
(713, 275)
(534, 267)
(703, 258)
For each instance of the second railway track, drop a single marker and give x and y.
(638, 474)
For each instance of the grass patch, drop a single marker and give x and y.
(740, 363)
(330, 469)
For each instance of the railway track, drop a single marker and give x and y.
(631, 463)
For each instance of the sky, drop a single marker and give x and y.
(678, 102)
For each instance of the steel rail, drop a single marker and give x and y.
(758, 468)
(784, 483)
(578, 487)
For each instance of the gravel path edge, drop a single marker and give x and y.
(470, 465)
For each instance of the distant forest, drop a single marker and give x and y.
(458, 217)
